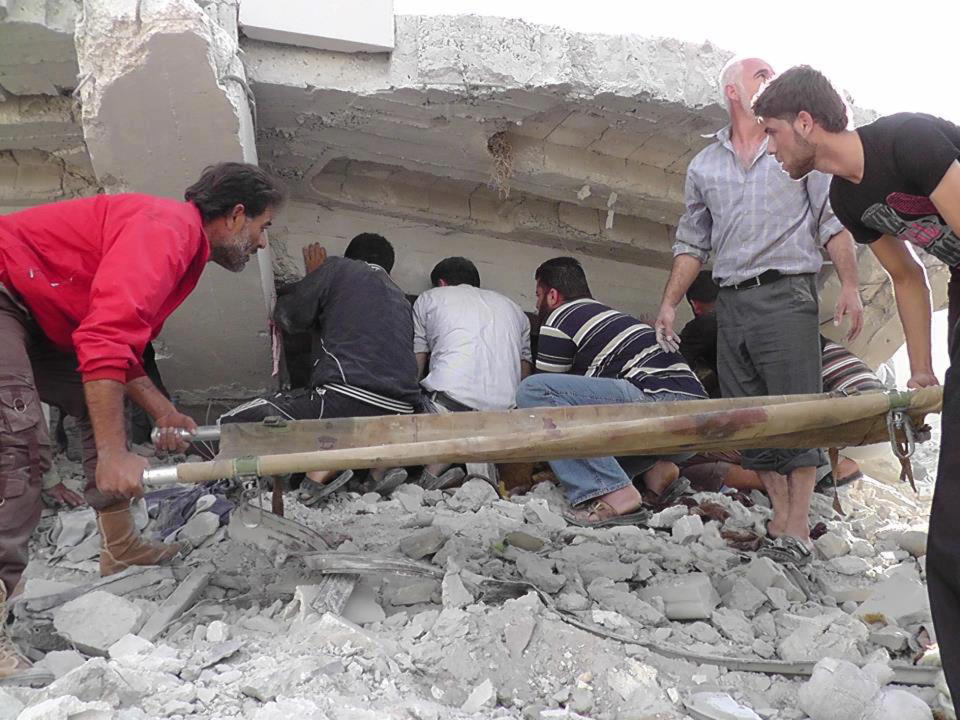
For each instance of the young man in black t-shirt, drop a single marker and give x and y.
(896, 183)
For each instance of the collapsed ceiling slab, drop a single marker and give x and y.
(587, 123)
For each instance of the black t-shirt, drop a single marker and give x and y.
(905, 156)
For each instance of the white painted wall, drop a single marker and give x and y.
(504, 266)
(339, 25)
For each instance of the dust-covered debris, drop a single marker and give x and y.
(507, 612)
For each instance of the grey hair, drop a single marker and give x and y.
(732, 74)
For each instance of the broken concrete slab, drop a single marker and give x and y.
(59, 663)
(95, 621)
(831, 545)
(733, 624)
(403, 591)
(685, 597)
(198, 528)
(609, 597)
(744, 596)
(899, 600)
(472, 495)
(454, 592)
(914, 542)
(539, 571)
(717, 706)
(850, 565)
(423, 543)
(687, 529)
(178, 602)
(764, 573)
(482, 696)
(10, 706)
(68, 707)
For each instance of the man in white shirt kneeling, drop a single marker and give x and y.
(477, 345)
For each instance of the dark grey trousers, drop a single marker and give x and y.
(768, 343)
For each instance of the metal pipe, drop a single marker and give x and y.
(204, 433)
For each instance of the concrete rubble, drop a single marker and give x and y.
(625, 622)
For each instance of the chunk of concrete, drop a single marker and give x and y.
(59, 663)
(605, 593)
(409, 496)
(900, 600)
(685, 597)
(68, 708)
(179, 601)
(10, 707)
(95, 621)
(744, 596)
(892, 638)
(454, 592)
(218, 632)
(687, 529)
(540, 572)
(718, 706)
(423, 543)
(850, 565)
(199, 528)
(897, 704)
(130, 645)
(612, 570)
(764, 572)
(734, 624)
(831, 545)
(483, 696)
(914, 542)
(402, 591)
(837, 690)
(96, 680)
(472, 495)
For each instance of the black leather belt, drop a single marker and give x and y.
(762, 279)
(441, 398)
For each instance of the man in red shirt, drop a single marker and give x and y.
(84, 286)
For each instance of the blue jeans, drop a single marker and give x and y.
(589, 478)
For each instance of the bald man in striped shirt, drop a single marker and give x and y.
(591, 354)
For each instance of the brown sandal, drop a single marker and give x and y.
(602, 514)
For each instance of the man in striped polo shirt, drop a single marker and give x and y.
(590, 354)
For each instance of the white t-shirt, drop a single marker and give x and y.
(476, 339)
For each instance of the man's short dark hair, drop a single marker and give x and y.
(803, 88)
(371, 248)
(455, 271)
(704, 288)
(223, 186)
(566, 276)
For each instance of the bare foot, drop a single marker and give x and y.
(319, 477)
(314, 255)
(846, 467)
(660, 476)
(619, 502)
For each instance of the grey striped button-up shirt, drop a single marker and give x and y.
(756, 219)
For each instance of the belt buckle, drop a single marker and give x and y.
(751, 283)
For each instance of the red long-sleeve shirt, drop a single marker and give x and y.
(100, 275)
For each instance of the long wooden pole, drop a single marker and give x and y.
(834, 422)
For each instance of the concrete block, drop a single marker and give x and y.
(914, 542)
(898, 600)
(734, 624)
(402, 591)
(68, 708)
(849, 565)
(218, 632)
(95, 621)
(603, 591)
(423, 543)
(59, 663)
(687, 529)
(482, 696)
(897, 704)
(10, 707)
(96, 680)
(472, 495)
(718, 706)
(765, 573)
(199, 528)
(454, 592)
(831, 545)
(685, 597)
(539, 571)
(837, 690)
(612, 570)
(179, 601)
(744, 596)
(892, 638)
(130, 645)
(342, 26)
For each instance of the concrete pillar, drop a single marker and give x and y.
(164, 94)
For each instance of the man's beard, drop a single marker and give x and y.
(233, 257)
(543, 312)
(804, 157)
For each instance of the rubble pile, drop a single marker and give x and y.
(463, 604)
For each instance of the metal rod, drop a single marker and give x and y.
(204, 433)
